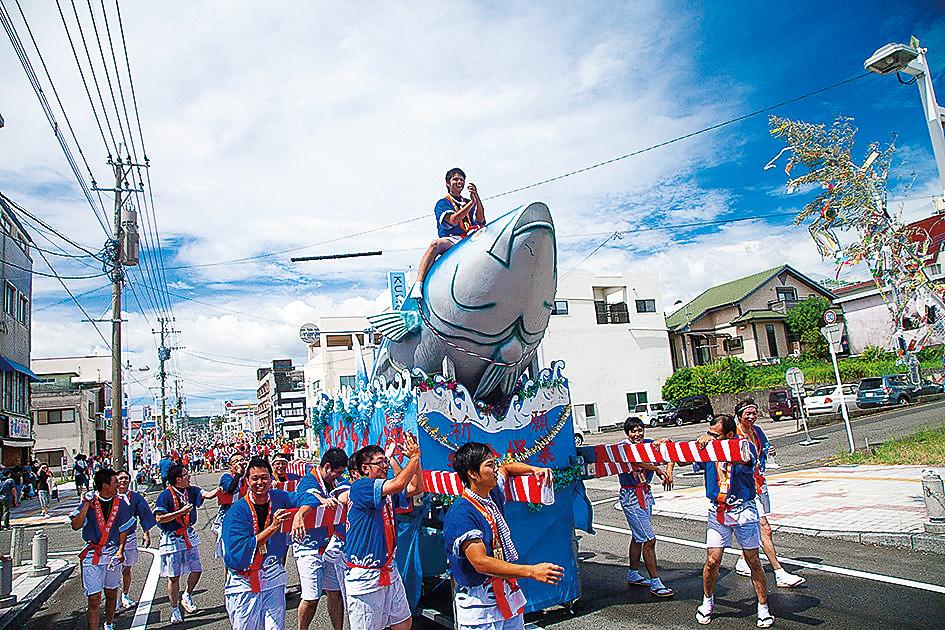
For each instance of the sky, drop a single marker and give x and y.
(306, 126)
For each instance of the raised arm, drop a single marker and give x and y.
(517, 469)
(402, 479)
(79, 519)
(480, 214)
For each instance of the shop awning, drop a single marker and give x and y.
(9, 364)
(17, 442)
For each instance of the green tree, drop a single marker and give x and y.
(806, 320)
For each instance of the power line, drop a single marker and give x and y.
(63, 301)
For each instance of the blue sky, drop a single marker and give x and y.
(274, 128)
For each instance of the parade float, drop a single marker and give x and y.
(458, 363)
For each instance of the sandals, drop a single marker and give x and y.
(702, 617)
(641, 582)
(790, 581)
(765, 622)
(662, 591)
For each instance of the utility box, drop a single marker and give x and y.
(129, 236)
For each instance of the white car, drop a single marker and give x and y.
(827, 399)
(649, 411)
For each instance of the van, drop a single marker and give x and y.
(648, 412)
(781, 404)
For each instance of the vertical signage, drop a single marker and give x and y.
(397, 282)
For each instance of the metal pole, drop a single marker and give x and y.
(800, 403)
(933, 114)
(843, 406)
(118, 453)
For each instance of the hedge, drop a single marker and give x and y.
(731, 375)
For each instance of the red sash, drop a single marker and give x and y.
(756, 471)
(183, 521)
(498, 584)
(390, 537)
(225, 498)
(467, 225)
(641, 488)
(289, 485)
(256, 565)
(723, 476)
(104, 527)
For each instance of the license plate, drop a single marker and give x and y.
(870, 394)
(778, 413)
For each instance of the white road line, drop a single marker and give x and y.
(826, 568)
(610, 500)
(140, 622)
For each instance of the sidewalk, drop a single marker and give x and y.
(29, 513)
(880, 505)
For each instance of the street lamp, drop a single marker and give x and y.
(910, 59)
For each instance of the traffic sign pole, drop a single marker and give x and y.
(833, 333)
(795, 381)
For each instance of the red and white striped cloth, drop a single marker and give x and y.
(299, 467)
(617, 458)
(320, 517)
(522, 488)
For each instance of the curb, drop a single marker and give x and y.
(17, 616)
(927, 543)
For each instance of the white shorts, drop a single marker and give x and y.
(312, 569)
(256, 611)
(639, 520)
(763, 503)
(515, 623)
(180, 562)
(96, 577)
(743, 524)
(131, 556)
(379, 609)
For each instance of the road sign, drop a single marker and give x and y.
(795, 379)
(830, 316)
(308, 333)
(833, 333)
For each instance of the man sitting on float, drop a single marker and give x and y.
(456, 218)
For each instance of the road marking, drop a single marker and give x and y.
(140, 622)
(826, 568)
(601, 501)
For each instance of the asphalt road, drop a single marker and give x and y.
(838, 597)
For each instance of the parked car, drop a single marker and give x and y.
(648, 412)
(930, 387)
(827, 399)
(686, 410)
(892, 389)
(781, 404)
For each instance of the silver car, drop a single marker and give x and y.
(826, 399)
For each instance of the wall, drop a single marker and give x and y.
(74, 437)
(606, 361)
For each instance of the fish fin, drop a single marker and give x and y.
(395, 325)
(497, 377)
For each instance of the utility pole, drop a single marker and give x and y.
(164, 355)
(122, 251)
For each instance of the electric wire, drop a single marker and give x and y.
(33, 78)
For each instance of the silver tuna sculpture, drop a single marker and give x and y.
(484, 309)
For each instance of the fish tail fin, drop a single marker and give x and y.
(497, 377)
(395, 325)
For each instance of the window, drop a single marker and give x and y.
(590, 410)
(560, 307)
(786, 294)
(53, 459)
(349, 381)
(55, 416)
(735, 344)
(634, 399)
(8, 390)
(935, 270)
(616, 313)
(23, 310)
(646, 306)
(9, 300)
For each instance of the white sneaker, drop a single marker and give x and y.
(176, 616)
(742, 568)
(127, 602)
(187, 602)
(109, 626)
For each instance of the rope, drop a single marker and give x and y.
(464, 350)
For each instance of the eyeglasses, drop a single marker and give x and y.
(712, 434)
(379, 462)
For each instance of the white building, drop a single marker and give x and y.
(238, 417)
(611, 334)
(332, 359)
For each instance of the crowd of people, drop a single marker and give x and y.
(264, 510)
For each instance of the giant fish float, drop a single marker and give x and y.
(484, 308)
